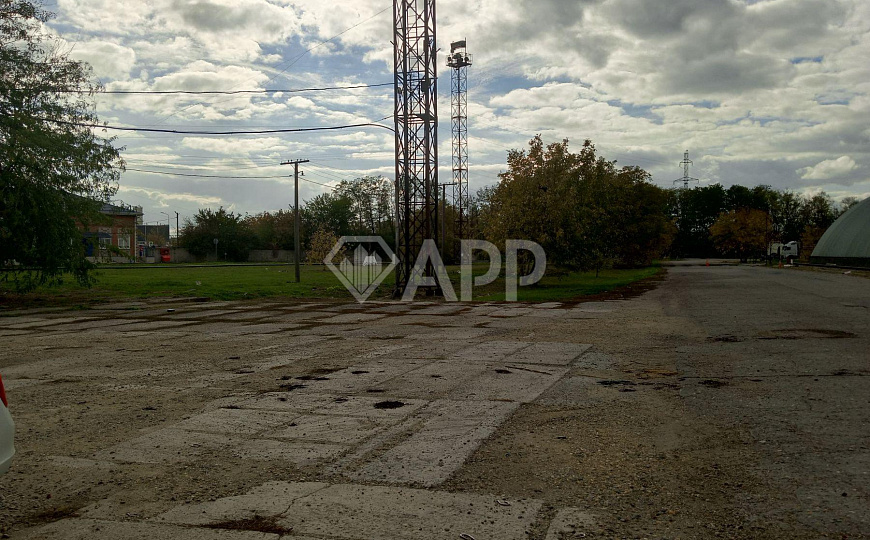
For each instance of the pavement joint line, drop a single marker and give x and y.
(529, 369)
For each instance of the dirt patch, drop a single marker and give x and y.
(53, 514)
(636, 470)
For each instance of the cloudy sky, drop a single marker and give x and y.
(759, 91)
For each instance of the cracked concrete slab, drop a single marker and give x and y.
(362, 377)
(92, 529)
(383, 513)
(508, 382)
(549, 353)
(490, 350)
(299, 453)
(166, 445)
(450, 433)
(236, 421)
(269, 499)
(351, 512)
(331, 429)
(433, 380)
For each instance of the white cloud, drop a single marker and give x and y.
(109, 60)
(828, 169)
(775, 91)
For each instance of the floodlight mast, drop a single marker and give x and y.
(458, 61)
(416, 122)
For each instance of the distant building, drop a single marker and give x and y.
(155, 234)
(847, 241)
(115, 236)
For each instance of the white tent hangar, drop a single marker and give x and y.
(847, 241)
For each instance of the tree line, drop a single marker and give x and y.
(585, 211)
(588, 213)
(363, 206)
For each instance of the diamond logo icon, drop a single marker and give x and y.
(361, 266)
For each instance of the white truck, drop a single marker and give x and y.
(787, 252)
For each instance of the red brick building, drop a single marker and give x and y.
(115, 237)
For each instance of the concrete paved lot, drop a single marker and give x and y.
(727, 402)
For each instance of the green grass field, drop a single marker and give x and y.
(249, 282)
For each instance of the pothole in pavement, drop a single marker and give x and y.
(712, 383)
(291, 386)
(727, 338)
(311, 378)
(359, 372)
(389, 404)
(503, 371)
(805, 333)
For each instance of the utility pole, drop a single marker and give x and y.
(296, 221)
(177, 229)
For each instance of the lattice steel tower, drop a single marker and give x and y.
(458, 61)
(416, 118)
(686, 178)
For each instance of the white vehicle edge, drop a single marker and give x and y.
(7, 433)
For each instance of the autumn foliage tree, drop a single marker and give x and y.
(745, 232)
(322, 243)
(584, 211)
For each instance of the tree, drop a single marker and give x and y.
(694, 211)
(744, 232)
(331, 212)
(847, 203)
(584, 211)
(272, 230)
(55, 172)
(231, 230)
(372, 198)
(322, 243)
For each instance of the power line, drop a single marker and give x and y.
(243, 132)
(191, 175)
(292, 62)
(233, 92)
